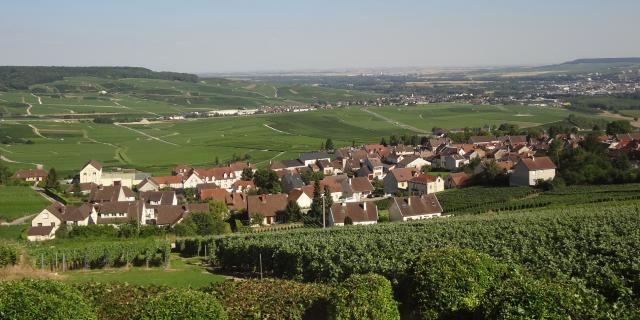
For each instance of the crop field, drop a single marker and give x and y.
(182, 273)
(12, 232)
(425, 117)
(157, 147)
(19, 201)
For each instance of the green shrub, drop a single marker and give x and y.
(524, 297)
(451, 282)
(9, 254)
(117, 301)
(42, 299)
(272, 299)
(182, 304)
(364, 297)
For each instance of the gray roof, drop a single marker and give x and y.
(313, 156)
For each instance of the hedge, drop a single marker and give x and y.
(272, 299)
(364, 297)
(42, 299)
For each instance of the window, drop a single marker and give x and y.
(53, 224)
(45, 215)
(39, 224)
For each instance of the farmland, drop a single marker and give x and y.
(18, 201)
(67, 144)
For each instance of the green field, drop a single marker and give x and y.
(67, 145)
(91, 96)
(19, 201)
(182, 273)
(12, 232)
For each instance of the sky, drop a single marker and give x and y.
(289, 35)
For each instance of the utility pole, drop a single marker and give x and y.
(324, 220)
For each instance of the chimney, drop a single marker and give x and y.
(117, 183)
(409, 201)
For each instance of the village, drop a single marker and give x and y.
(349, 180)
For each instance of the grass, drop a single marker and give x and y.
(182, 273)
(19, 201)
(199, 142)
(12, 232)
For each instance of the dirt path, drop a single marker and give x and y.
(5, 159)
(621, 117)
(272, 158)
(18, 221)
(274, 129)
(37, 97)
(123, 106)
(36, 131)
(393, 122)
(146, 134)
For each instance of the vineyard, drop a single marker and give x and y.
(480, 200)
(70, 255)
(595, 243)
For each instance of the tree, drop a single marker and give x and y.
(348, 221)
(218, 209)
(316, 203)
(292, 211)
(51, 182)
(618, 127)
(328, 145)
(216, 161)
(308, 176)
(205, 223)
(383, 141)
(5, 174)
(267, 181)
(247, 174)
(328, 201)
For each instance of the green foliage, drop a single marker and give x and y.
(272, 299)
(368, 296)
(267, 181)
(117, 301)
(182, 304)
(5, 174)
(292, 211)
(619, 126)
(78, 254)
(9, 253)
(328, 145)
(51, 181)
(593, 242)
(203, 223)
(42, 299)
(524, 297)
(450, 283)
(247, 174)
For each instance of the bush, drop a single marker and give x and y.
(117, 301)
(182, 304)
(527, 298)
(364, 297)
(451, 282)
(272, 299)
(9, 254)
(42, 299)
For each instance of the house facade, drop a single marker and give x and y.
(414, 208)
(530, 171)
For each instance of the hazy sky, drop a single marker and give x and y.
(243, 35)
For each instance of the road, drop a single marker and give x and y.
(394, 122)
(36, 131)
(274, 129)
(5, 159)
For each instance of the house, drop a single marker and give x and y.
(413, 161)
(356, 189)
(111, 194)
(170, 215)
(46, 223)
(454, 161)
(270, 206)
(530, 171)
(456, 180)
(483, 140)
(91, 172)
(302, 198)
(425, 184)
(192, 180)
(224, 177)
(215, 193)
(155, 198)
(398, 179)
(124, 177)
(115, 213)
(290, 181)
(181, 170)
(414, 208)
(309, 158)
(243, 186)
(239, 166)
(31, 175)
(147, 185)
(326, 166)
(81, 188)
(376, 168)
(173, 182)
(360, 213)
